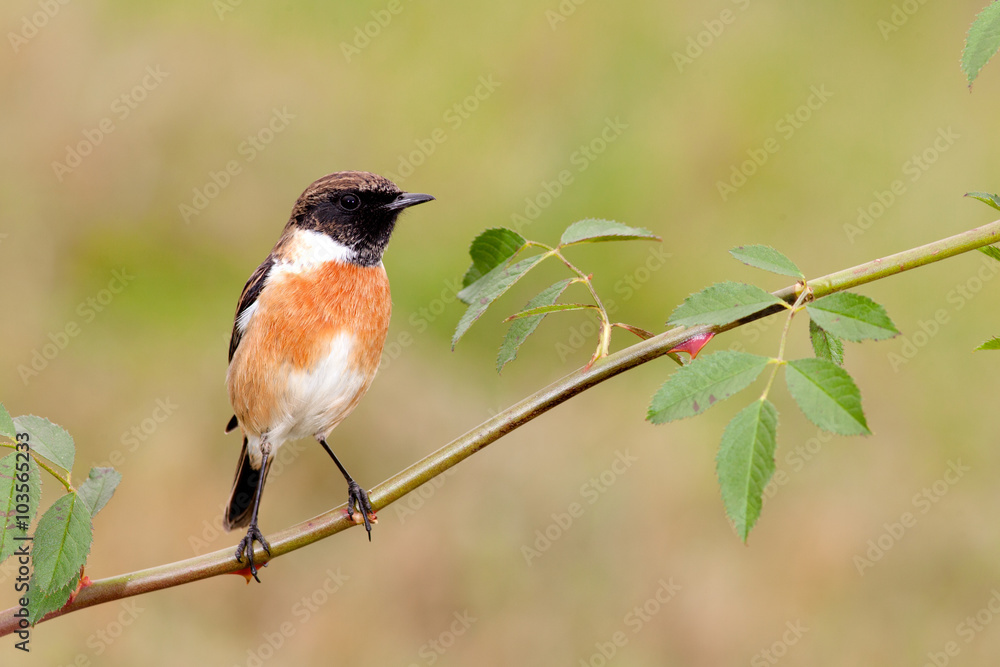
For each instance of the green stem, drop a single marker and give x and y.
(64, 481)
(780, 359)
(421, 472)
(796, 307)
(906, 260)
(604, 341)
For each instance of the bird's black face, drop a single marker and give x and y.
(356, 209)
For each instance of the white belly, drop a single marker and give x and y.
(315, 400)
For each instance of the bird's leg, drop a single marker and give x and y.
(355, 494)
(253, 532)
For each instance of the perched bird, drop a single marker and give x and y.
(308, 333)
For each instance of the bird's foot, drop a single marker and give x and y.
(356, 496)
(246, 547)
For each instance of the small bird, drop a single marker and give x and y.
(308, 334)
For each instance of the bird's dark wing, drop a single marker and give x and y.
(249, 296)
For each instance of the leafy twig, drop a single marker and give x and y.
(334, 521)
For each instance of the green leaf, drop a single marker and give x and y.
(48, 440)
(745, 463)
(986, 198)
(825, 344)
(52, 600)
(708, 380)
(990, 251)
(6, 424)
(722, 303)
(982, 42)
(487, 289)
(594, 230)
(491, 249)
(767, 258)
(98, 488)
(12, 492)
(520, 329)
(991, 344)
(552, 308)
(827, 395)
(62, 542)
(852, 317)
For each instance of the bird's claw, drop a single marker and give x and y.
(246, 547)
(356, 496)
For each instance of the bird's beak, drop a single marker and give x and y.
(408, 199)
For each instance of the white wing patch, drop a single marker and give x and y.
(243, 321)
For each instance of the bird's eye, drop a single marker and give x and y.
(350, 202)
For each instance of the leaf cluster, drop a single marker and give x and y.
(820, 386)
(494, 271)
(62, 536)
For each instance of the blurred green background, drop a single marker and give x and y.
(161, 96)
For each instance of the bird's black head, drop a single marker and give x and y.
(355, 208)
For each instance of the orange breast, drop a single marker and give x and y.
(297, 316)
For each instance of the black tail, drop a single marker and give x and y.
(240, 505)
